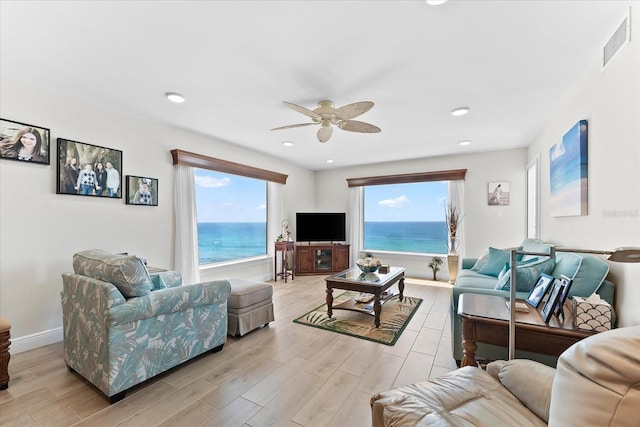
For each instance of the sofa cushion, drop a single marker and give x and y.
(473, 279)
(127, 273)
(567, 264)
(493, 263)
(534, 245)
(527, 380)
(526, 274)
(589, 276)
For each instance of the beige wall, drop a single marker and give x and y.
(610, 101)
(40, 230)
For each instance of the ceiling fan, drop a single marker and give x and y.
(327, 115)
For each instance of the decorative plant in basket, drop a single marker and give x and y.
(369, 264)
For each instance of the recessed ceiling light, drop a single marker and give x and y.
(460, 111)
(175, 97)
(436, 2)
(465, 142)
(287, 144)
(329, 160)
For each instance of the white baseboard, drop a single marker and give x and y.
(29, 342)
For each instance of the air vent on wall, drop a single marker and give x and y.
(616, 42)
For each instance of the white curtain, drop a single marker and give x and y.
(186, 250)
(456, 200)
(275, 206)
(355, 222)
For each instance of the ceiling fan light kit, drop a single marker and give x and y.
(326, 115)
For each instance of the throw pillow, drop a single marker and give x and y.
(481, 261)
(496, 260)
(526, 274)
(127, 273)
(589, 276)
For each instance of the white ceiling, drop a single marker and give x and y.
(235, 61)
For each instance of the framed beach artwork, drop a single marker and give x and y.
(88, 170)
(498, 193)
(23, 142)
(569, 173)
(142, 191)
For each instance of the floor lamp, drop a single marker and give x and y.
(617, 255)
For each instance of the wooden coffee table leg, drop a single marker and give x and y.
(401, 287)
(329, 301)
(377, 308)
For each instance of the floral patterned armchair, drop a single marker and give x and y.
(122, 326)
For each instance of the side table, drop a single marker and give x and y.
(285, 248)
(485, 318)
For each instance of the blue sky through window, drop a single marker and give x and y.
(420, 201)
(229, 198)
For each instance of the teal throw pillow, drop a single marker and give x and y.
(496, 260)
(481, 261)
(527, 274)
(589, 276)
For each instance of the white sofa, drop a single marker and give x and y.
(596, 383)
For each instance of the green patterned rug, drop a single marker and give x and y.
(394, 318)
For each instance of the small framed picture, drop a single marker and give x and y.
(539, 290)
(142, 191)
(23, 142)
(499, 193)
(566, 285)
(547, 310)
(88, 170)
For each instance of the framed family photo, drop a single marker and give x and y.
(142, 190)
(550, 304)
(24, 142)
(88, 170)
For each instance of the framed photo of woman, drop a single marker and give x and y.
(539, 290)
(24, 142)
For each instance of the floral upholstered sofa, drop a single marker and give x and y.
(123, 326)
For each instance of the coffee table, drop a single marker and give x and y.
(485, 318)
(371, 283)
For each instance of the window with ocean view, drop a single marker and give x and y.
(232, 216)
(406, 217)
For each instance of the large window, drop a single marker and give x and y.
(406, 217)
(232, 216)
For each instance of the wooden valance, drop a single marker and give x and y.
(450, 175)
(186, 158)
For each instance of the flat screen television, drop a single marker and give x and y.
(320, 227)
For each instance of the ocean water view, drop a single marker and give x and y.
(225, 241)
(218, 242)
(415, 236)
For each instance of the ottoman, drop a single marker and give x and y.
(249, 306)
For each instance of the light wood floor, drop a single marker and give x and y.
(282, 375)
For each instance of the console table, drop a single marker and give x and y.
(284, 248)
(485, 318)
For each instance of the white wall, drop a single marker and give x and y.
(610, 101)
(40, 230)
(499, 226)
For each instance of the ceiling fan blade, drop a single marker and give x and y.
(356, 126)
(293, 126)
(324, 133)
(353, 110)
(302, 110)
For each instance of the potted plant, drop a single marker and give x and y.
(434, 265)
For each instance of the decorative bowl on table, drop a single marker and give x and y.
(369, 264)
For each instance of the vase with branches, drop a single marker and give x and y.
(453, 218)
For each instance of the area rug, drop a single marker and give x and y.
(394, 318)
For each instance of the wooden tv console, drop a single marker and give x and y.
(324, 258)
